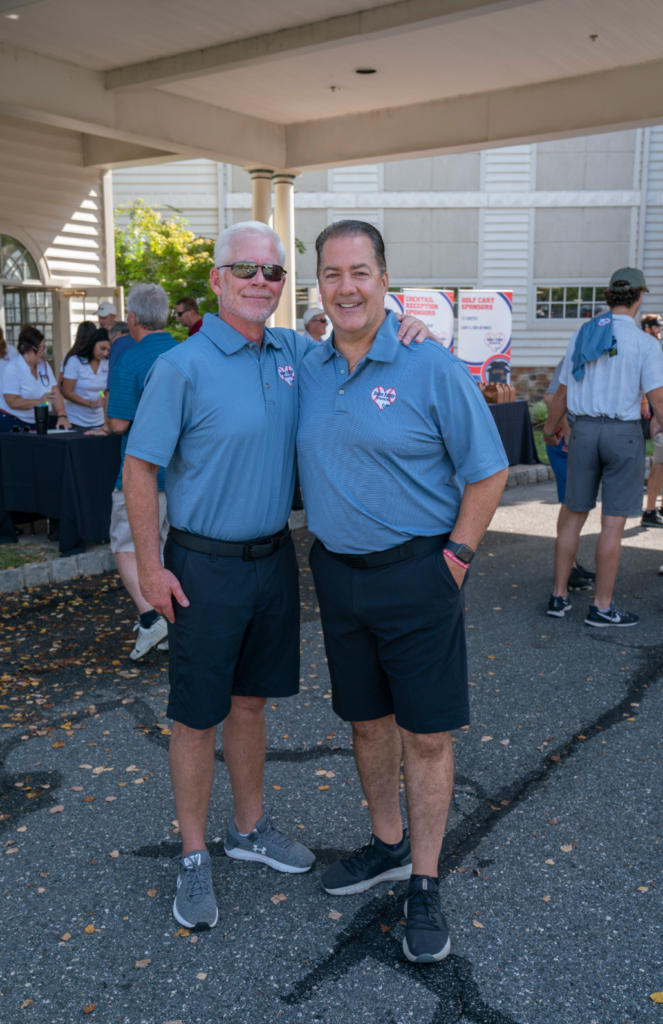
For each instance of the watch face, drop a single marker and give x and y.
(464, 553)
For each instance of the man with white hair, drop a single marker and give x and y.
(221, 413)
(315, 323)
(147, 315)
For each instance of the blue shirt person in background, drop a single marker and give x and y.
(147, 306)
(402, 469)
(221, 413)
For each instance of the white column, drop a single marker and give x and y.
(261, 191)
(284, 225)
(109, 226)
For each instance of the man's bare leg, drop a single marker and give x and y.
(429, 778)
(654, 484)
(378, 748)
(608, 552)
(244, 754)
(192, 774)
(566, 547)
(128, 570)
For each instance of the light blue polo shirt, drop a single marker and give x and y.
(221, 415)
(385, 452)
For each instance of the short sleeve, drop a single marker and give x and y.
(565, 372)
(72, 368)
(554, 383)
(163, 413)
(12, 380)
(467, 426)
(651, 375)
(125, 395)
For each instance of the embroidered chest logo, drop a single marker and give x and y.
(287, 374)
(383, 397)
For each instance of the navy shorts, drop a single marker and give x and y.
(239, 635)
(559, 462)
(395, 639)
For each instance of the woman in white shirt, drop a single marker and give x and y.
(7, 353)
(84, 379)
(29, 381)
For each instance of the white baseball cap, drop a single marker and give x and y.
(310, 313)
(105, 309)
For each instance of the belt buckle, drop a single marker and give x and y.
(247, 551)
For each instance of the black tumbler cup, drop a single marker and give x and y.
(41, 418)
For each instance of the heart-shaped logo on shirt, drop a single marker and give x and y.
(287, 374)
(383, 397)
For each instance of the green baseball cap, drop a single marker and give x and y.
(628, 277)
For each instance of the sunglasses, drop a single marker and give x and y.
(318, 320)
(247, 269)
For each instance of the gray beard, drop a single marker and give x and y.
(253, 316)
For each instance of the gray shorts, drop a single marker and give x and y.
(611, 452)
(120, 530)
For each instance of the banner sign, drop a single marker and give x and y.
(435, 308)
(484, 333)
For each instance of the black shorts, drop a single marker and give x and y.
(395, 639)
(239, 635)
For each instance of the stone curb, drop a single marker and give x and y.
(520, 475)
(39, 574)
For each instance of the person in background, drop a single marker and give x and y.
(84, 377)
(120, 329)
(7, 354)
(608, 364)
(147, 316)
(29, 381)
(315, 323)
(651, 323)
(84, 332)
(107, 314)
(188, 314)
(558, 454)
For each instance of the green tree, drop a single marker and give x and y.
(164, 251)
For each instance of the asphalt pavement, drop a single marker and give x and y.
(550, 865)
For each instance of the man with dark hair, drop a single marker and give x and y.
(607, 366)
(651, 323)
(188, 314)
(402, 469)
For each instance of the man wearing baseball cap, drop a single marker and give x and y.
(107, 314)
(651, 323)
(315, 323)
(608, 364)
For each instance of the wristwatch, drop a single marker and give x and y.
(462, 552)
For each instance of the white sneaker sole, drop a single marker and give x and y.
(186, 924)
(395, 875)
(606, 625)
(427, 958)
(135, 655)
(237, 854)
(560, 615)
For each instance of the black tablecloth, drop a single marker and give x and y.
(515, 428)
(65, 476)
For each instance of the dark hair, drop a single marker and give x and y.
(348, 229)
(188, 303)
(3, 344)
(621, 295)
(29, 338)
(86, 351)
(650, 320)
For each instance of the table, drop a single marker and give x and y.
(515, 428)
(66, 476)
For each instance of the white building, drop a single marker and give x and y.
(551, 220)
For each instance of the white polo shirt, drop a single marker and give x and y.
(88, 385)
(9, 356)
(613, 384)
(18, 380)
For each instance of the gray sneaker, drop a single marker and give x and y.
(269, 845)
(194, 903)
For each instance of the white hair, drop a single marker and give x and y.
(149, 304)
(311, 312)
(225, 242)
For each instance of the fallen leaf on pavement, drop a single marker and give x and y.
(330, 775)
(132, 768)
(335, 915)
(138, 782)
(546, 899)
(477, 924)
(23, 828)
(553, 821)
(385, 928)
(41, 889)
(56, 809)
(142, 963)
(321, 771)
(566, 849)
(643, 888)
(201, 975)
(66, 937)
(103, 768)
(657, 997)
(364, 803)
(151, 892)
(181, 933)
(77, 789)
(114, 854)
(109, 799)
(550, 862)
(90, 929)
(278, 898)
(90, 1008)
(5, 817)
(26, 1002)
(89, 799)
(505, 743)
(193, 940)
(85, 766)
(555, 757)
(276, 787)
(505, 803)
(323, 787)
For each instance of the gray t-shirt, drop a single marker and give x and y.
(613, 384)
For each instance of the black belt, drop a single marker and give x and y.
(374, 559)
(248, 550)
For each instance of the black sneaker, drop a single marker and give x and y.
(578, 581)
(376, 862)
(559, 606)
(653, 518)
(426, 936)
(613, 617)
(587, 573)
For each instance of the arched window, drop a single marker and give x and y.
(16, 263)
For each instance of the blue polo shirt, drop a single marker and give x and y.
(129, 378)
(221, 415)
(384, 453)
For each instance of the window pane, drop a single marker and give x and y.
(557, 294)
(542, 312)
(586, 310)
(572, 294)
(587, 294)
(557, 310)
(543, 294)
(16, 263)
(571, 310)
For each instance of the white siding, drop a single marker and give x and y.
(653, 247)
(364, 178)
(51, 202)
(189, 188)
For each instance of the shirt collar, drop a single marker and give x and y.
(228, 339)
(384, 348)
